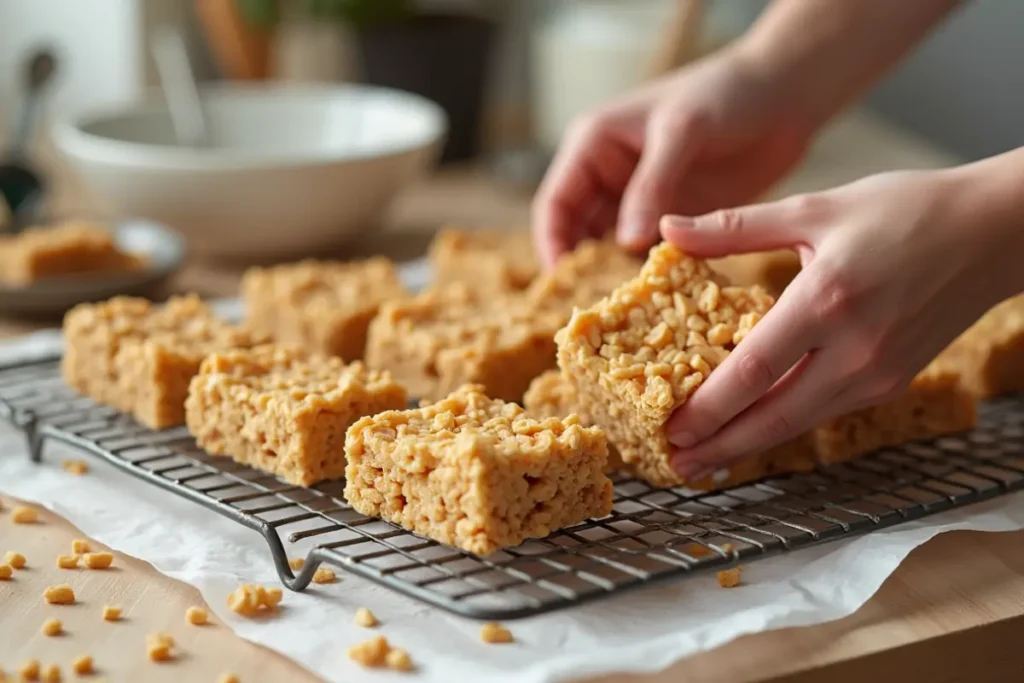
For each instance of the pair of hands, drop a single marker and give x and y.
(895, 265)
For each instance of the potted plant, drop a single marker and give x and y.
(440, 50)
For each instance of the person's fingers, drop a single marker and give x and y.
(796, 404)
(787, 333)
(758, 227)
(669, 147)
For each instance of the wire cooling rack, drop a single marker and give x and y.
(652, 535)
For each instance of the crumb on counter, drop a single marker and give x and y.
(158, 647)
(67, 561)
(323, 575)
(250, 599)
(98, 560)
(53, 627)
(23, 514)
(398, 660)
(80, 546)
(16, 560)
(75, 467)
(59, 595)
(111, 613)
(30, 670)
(365, 618)
(6, 572)
(296, 563)
(82, 666)
(370, 653)
(51, 673)
(493, 632)
(196, 616)
(729, 578)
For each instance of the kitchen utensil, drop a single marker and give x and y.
(178, 82)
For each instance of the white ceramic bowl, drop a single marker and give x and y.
(291, 169)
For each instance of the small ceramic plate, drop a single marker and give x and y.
(162, 248)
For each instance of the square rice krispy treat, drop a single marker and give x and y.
(989, 356)
(284, 410)
(583, 277)
(492, 260)
(476, 473)
(637, 355)
(139, 356)
(324, 306)
(68, 249)
(437, 341)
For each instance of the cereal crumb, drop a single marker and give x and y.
(75, 467)
(16, 560)
(228, 678)
(250, 599)
(22, 514)
(111, 613)
(30, 670)
(53, 627)
(727, 547)
(296, 563)
(67, 561)
(399, 660)
(493, 632)
(51, 673)
(196, 616)
(6, 572)
(323, 575)
(82, 665)
(98, 560)
(729, 578)
(80, 546)
(371, 653)
(59, 595)
(158, 647)
(365, 618)
(273, 596)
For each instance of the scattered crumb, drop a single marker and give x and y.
(16, 560)
(493, 632)
(228, 678)
(22, 514)
(80, 546)
(273, 596)
(75, 467)
(365, 618)
(6, 572)
(323, 575)
(98, 560)
(67, 561)
(51, 673)
(59, 595)
(250, 599)
(726, 547)
(158, 647)
(82, 665)
(196, 616)
(371, 653)
(296, 563)
(111, 613)
(399, 660)
(53, 627)
(729, 578)
(30, 670)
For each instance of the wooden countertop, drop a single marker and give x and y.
(953, 611)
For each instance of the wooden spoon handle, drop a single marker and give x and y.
(241, 50)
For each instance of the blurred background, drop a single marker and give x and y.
(508, 75)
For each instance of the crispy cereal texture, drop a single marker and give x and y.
(437, 341)
(491, 260)
(284, 410)
(59, 595)
(139, 357)
(16, 560)
(321, 306)
(371, 653)
(111, 613)
(476, 473)
(729, 578)
(69, 249)
(493, 632)
(637, 355)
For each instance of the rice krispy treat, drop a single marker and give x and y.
(68, 249)
(637, 355)
(989, 356)
(583, 276)
(491, 260)
(443, 338)
(476, 473)
(139, 357)
(325, 306)
(284, 410)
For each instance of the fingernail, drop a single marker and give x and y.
(634, 232)
(673, 222)
(682, 439)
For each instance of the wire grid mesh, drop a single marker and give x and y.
(652, 535)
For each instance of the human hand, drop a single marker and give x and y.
(895, 266)
(716, 134)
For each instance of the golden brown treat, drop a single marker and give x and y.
(476, 473)
(50, 674)
(111, 613)
(729, 578)
(59, 595)
(6, 572)
(80, 546)
(371, 653)
(489, 260)
(30, 670)
(251, 599)
(75, 467)
(196, 616)
(296, 563)
(52, 627)
(637, 355)
(323, 575)
(82, 666)
(493, 632)
(98, 560)
(773, 270)
(398, 659)
(439, 340)
(23, 514)
(139, 357)
(989, 356)
(284, 410)
(159, 647)
(365, 618)
(69, 249)
(67, 561)
(321, 306)
(16, 560)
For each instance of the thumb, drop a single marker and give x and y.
(668, 150)
(758, 227)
